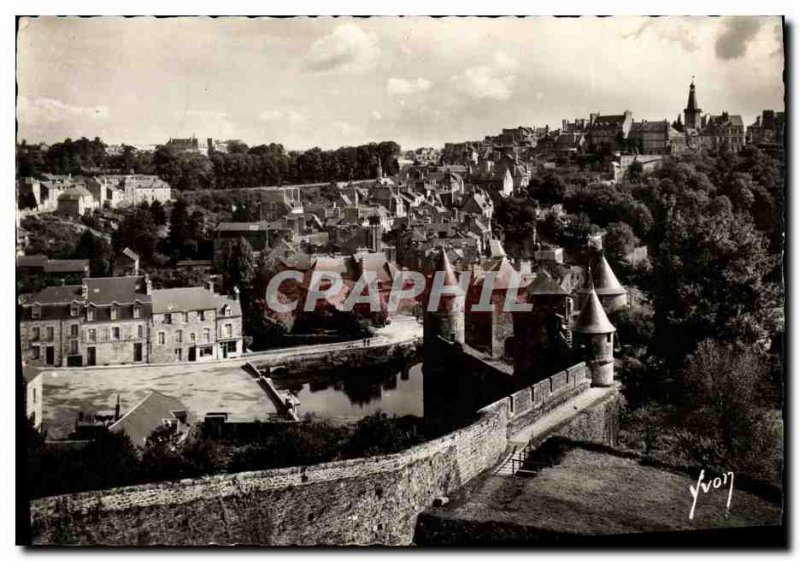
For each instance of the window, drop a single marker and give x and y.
(90, 314)
(92, 335)
(168, 318)
(162, 338)
(35, 334)
(228, 330)
(115, 333)
(34, 395)
(179, 336)
(185, 317)
(140, 331)
(73, 330)
(36, 312)
(73, 310)
(114, 313)
(226, 310)
(73, 347)
(192, 337)
(137, 312)
(36, 353)
(206, 335)
(206, 351)
(202, 315)
(178, 354)
(50, 333)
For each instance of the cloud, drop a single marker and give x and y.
(398, 86)
(493, 81)
(348, 48)
(346, 130)
(46, 110)
(281, 116)
(736, 35)
(672, 30)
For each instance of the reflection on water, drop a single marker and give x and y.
(353, 394)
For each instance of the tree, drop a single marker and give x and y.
(138, 232)
(724, 385)
(239, 267)
(709, 277)
(619, 241)
(98, 251)
(158, 213)
(178, 236)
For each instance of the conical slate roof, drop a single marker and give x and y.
(592, 319)
(544, 284)
(505, 275)
(603, 279)
(443, 264)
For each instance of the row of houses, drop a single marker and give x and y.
(74, 196)
(622, 133)
(123, 320)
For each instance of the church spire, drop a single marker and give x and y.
(691, 105)
(691, 115)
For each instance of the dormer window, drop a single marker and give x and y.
(137, 311)
(226, 310)
(168, 318)
(89, 314)
(73, 310)
(114, 313)
(36, 312)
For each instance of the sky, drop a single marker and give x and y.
(333, 82)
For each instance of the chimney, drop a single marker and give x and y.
(236, 293)
(209, 284)
(84, 291)
(148, 285)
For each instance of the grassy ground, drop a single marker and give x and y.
(593, 493)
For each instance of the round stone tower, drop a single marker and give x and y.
(594, 340)
(447, 319)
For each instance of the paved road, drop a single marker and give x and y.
(403, 329)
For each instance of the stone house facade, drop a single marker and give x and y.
(195, 324)
(113, 320)
(102, 321)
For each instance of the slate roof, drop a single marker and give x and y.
(650, 126)
(604, 281)
(55, 295)
(544, 285)
(140, 421)
(66, 266)
(188, 299)
(74, 193)
(242, 227)
(32, 261)
(592, 320)
(107, 290)
(608, 120)
(443, 264)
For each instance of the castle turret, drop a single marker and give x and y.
(446, 320)
(604, 282)
(594, 340)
